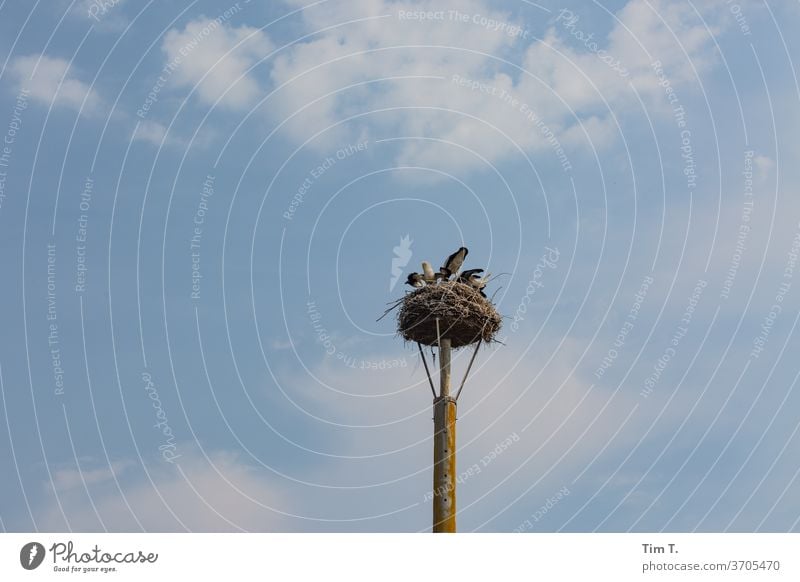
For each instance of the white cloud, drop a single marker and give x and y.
(392, 72)
(214, 57)
(213, 496)
(51, 80)
(341, 68)
(103, 15)
(670, 32)
(151, 131)
(765, 167)
(566, 86)
(281, 344)
(68, 478)
(159, 135)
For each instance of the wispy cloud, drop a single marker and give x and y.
(51, 80)
(452, 77)
(220, 492)
(215, 57)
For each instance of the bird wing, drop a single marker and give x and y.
(449, 260)
(463, 255)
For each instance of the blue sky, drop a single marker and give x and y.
(220, 192)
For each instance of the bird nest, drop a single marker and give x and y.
(464, 315)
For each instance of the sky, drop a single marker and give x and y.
(205, 208)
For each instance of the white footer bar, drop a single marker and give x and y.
(355, 557)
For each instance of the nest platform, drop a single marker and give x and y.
(465, 316)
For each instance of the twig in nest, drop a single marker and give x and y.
(394, 305)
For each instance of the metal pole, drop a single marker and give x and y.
(427, 371)
(444, 448)
(471, 360)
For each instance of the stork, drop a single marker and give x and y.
(415, 280)
(465, 276)
(474, 280)
(453, 263)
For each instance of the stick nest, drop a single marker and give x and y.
(464, 315)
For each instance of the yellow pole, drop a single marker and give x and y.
(444, 448)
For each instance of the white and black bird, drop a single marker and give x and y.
(429, 274)
(453, 263)
(415, 280)
(473, 279)
(465, 276)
